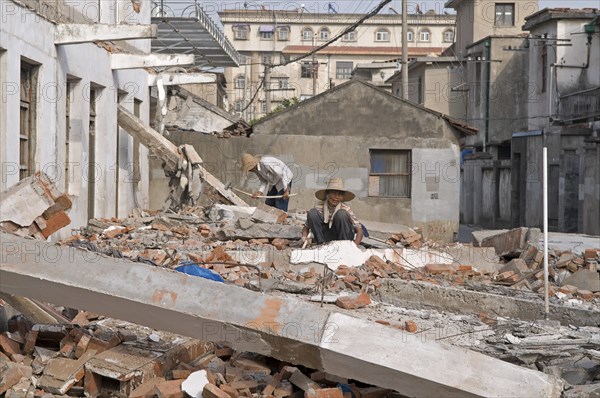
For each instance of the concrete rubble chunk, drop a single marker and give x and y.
(585, 391)
(503, 241)
(303, 382)
(195, 383)
(403, 293)
(268, 214)
(229, 213)
(62, 373)
(11, 374)
(483, 259)
(146, 389)
(337, 253)
(584, 280)
(261, 231)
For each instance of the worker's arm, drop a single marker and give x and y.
(286, 192)
(359, 234)
(305, 232)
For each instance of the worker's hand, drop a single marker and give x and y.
(256, 194)
(286, 194)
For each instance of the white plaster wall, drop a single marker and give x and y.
(23, 35)
(567, 78)
(436, 189)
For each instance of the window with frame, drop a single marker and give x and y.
(343, 70)
(241, 32)
(410, 36)
(238, 106)
(382, 35)
(505, 14)
(283, 33)
(306, 70)
(307, 34)
(425, 35)
(28, 93)
(324, 34)
(448, 36)
(390, 173)
(240, 82)
(283, 82)
(350, 36)
(266, 59)
(420, 90)
(266, 35)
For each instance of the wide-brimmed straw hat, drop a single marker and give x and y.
(248, 162)
(335, 184)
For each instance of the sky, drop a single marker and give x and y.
(363, 6)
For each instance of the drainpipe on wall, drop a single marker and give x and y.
(486, 116)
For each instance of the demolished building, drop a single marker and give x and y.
(401, 159)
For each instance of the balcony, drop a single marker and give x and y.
(187, 29)
(580, 106)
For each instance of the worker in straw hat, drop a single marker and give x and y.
(273, 173)
(331, 219)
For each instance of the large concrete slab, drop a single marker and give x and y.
(284, 328)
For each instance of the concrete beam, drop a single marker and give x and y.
(175, 79)
(528, 307)
(86, 33)
(136, 61)
(158, 145)
(284, 328)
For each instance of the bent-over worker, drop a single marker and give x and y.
(273, 173)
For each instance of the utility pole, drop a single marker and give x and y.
(314, 67)
(267, 85)
(404, 50)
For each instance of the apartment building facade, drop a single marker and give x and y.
(277, 38)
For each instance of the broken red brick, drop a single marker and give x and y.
(30, 341)
(353, 302)
(440, 269)
(410, 326)
(585, 295)
(568, 289)
(324, 393)
(56, 222)
(180, 374)
(591, 254)
(9, 346)
(212, 391)
(280, 243)
(232, 392)
(169, 389)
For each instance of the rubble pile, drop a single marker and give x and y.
(105, 357)
(253, 247)
(571, 275)
(34, 207)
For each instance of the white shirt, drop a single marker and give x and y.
(272, 171)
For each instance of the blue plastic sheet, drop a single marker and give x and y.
(190, 268)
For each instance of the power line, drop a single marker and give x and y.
(335, 38)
